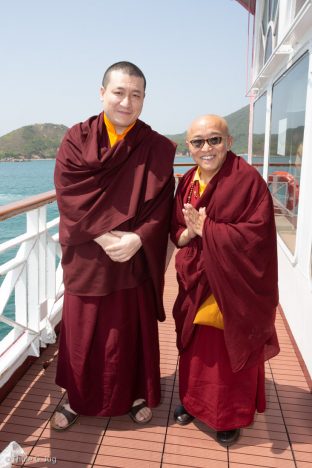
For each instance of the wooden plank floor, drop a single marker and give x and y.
(282, 437)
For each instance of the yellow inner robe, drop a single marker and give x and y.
(113, 136)
(209, 312)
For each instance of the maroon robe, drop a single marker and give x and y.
(128, 187)
(236, 261)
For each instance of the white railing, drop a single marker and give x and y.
(34, 277)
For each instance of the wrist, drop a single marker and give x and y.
(185, 237)
(190, 234)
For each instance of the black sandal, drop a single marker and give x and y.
(71, 418)
(135, 410)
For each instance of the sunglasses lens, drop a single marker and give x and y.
(214, 141)
(198, 143)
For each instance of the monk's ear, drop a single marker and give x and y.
(102, 92)
(229, 142)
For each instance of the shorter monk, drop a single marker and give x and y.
(223, 223)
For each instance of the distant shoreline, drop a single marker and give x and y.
(178, 155)
(25, 159)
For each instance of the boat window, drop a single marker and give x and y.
(265, 16)
(269, 31)
(286, 147)
(258, 133)
(268, 46)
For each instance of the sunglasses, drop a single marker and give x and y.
(199, 143)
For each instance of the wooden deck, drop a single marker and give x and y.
(282, 437)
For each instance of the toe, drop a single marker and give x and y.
(144, 414)
(60, 420)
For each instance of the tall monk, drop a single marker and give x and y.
(223, 224)
(114, 184)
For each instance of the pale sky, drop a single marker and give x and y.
(54, 53)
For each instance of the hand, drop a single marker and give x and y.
(189, 232)
(107, 239)
(194, 219)
(186, 236)
(127, 246)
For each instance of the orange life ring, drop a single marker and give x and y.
(292, 186)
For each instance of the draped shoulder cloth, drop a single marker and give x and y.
(128, 187)
(236, 260)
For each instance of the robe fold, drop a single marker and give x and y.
(111, 308)
(236, 261)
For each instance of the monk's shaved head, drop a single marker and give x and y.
(207, 121)
(208, 141)
(126, 67)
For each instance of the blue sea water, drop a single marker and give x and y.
(19, 180)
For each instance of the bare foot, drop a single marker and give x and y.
(144, 414)
(59, 419)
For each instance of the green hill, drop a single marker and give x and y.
(32, 142)
(42, 140)
(238, 124)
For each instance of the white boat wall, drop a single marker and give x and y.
(280, 146)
